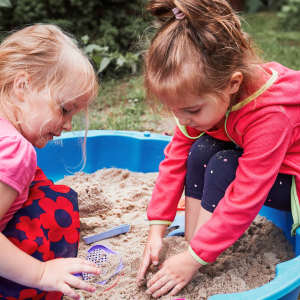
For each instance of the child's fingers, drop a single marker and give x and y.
(177, 288)
(81, 268)
(161, 286)
(139, 273)
(80, 284)
(68, 291)
(155, 278)
(81, 261)
(155, 254)
(165, 288)
(143, 267)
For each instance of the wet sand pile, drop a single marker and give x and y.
(121, 197)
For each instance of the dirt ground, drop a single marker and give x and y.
(111, 197)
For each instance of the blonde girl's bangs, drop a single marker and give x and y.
(72, 77)
(53, 61)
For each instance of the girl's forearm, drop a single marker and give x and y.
(157, 230)
(18, 266)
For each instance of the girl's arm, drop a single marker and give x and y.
(22, 268)
(166, 194)
(170, 181)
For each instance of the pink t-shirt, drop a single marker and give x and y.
(17, 166)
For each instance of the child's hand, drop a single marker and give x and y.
(57, 275)
(152, 249)
(175, 273)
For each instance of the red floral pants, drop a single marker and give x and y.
(46, 227)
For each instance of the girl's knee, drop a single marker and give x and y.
(223, 164)
(220, 172)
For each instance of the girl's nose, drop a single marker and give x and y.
(67, 125)
(183, 120)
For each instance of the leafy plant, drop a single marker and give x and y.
(254, 6)
(103, 58)
(290, 15)
(5, 3)
(113, 23)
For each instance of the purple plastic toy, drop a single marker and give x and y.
(99, 253)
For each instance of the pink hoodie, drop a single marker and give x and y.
(268, 129)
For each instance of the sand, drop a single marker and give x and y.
(93, 201)
(124, 195)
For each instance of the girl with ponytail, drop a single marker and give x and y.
(236, 146)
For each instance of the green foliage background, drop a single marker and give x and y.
(253, 6)
(113, 23)
(288, 11)
(290, 15)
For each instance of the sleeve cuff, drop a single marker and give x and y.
(196, 257)
(160, 222)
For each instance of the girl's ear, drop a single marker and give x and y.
(21, 85)
(234, 83)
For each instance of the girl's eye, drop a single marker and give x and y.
(63, 110)
(194, 112)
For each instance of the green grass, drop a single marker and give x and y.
(120, 106)
(113, 109)
(277, 45)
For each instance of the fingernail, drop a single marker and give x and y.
(148, 292)
(93, 290)
(155, 262)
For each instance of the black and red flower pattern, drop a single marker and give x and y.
(46, 227)
(32, 228)
(60, 219)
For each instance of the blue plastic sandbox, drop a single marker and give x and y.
(143, 152)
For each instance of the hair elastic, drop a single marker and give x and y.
(178, 14)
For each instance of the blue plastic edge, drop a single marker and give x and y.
(286, 281)
(135, 151)
(136, 134)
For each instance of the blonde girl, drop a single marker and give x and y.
(44, 81)
(236, 146)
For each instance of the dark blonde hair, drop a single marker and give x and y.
(200, 53)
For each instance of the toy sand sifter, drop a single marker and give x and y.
(142, 152)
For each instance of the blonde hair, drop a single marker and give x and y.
(209, 42)
(54, 62)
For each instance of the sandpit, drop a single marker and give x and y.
(111, 197)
